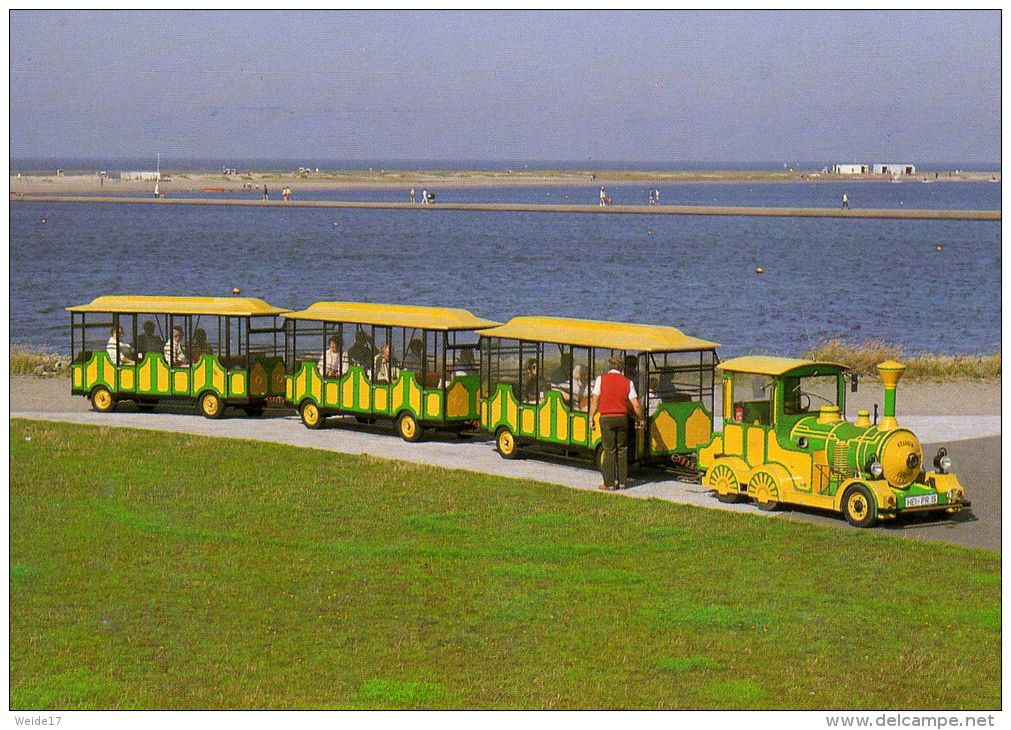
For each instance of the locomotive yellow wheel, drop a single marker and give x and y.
(211, 406)
(505, 442)
(858, 506)
(311, 417)
(408, 427)
(764, 490)
(102, 400)
(722, 479)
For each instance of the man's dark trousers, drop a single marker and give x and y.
(614, 442)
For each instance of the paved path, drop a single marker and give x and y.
(963, 215)
(979, 469)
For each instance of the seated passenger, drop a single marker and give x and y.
(332, 361)
(465, 363)
(174, 350)
(360, 353)
(384, 369)
(415, 355)
(561, 374)
(116, 342)
(579, 397)
(200, 346)
(531, 381)
(148, 341)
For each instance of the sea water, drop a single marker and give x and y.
(858, 279)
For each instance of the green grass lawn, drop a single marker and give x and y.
(156, 570)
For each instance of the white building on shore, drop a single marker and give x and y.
(849, 169)
(140, 175)
(890, 168)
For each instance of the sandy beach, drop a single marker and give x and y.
(189, 182)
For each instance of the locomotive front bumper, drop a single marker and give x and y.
(937, 492)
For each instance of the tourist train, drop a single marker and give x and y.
(784, 437)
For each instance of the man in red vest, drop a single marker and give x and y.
(614, 397)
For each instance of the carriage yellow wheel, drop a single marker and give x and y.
(764, 490)
(102, 400)
(408, 428)
(722, 479)
(311, 417)
(505, 442)
(858, 506)
(211, 405)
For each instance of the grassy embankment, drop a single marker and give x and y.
(157, 570)
(864, 356)
(27, 360)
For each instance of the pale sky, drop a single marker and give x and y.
(579, 86)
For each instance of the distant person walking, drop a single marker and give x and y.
(656, 196)
(424, 197)
(845, 200)
(266, 196)
(614, 397)
(603, 196)
(414, 198)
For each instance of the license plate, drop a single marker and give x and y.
(921, 500)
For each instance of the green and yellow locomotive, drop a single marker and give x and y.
(785, 441)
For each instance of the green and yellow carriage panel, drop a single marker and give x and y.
(247, 369)
(388, 361)
(514, 355)
(355, 393)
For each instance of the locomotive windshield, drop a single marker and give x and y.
(808, 394)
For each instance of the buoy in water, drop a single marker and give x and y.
(42, 220)
(649, 231)
(236, 291)
(938, 248)
(759, 270)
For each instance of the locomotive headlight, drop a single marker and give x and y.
(942, 462)
(876, 469)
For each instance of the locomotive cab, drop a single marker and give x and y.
(786, 440)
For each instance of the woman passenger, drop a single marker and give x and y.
(174, 350)
(531, 381)
(332, 359)
(578, 399)
(384, 368)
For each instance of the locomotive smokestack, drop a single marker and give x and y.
(890, 373)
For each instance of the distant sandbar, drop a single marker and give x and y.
(189, 182)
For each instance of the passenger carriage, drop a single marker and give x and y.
(215, 352)
(429, 376)
(537, 373)
(786, 440)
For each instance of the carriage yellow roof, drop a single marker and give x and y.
(774, 366)
(594, 333)
(229, 306)
(393, 315)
